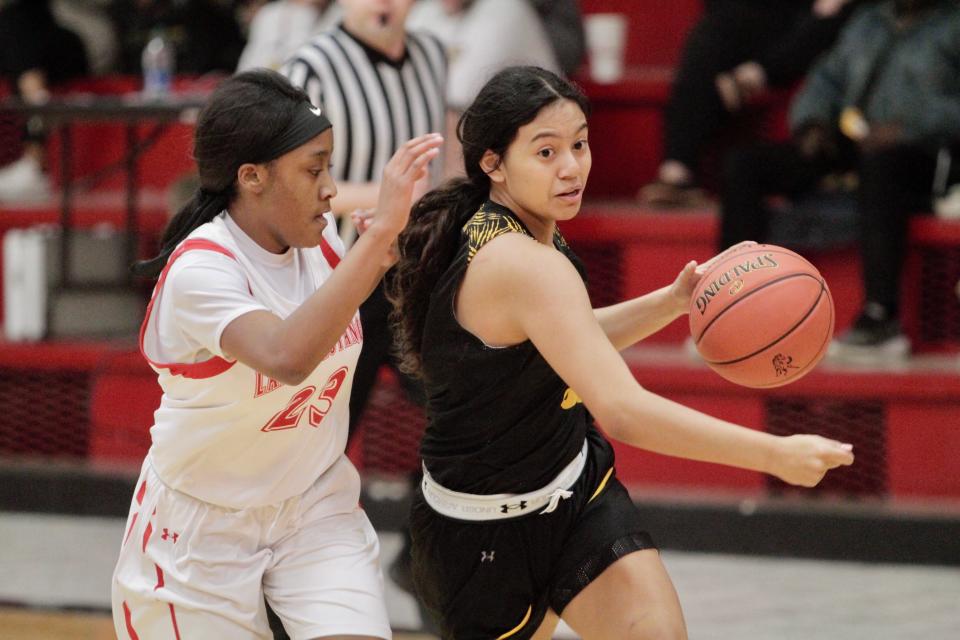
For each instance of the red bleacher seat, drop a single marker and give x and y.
(98, 145)
(655, 30)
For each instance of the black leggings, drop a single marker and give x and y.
(728, 33)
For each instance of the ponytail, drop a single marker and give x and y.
(201, 208)
(427, 247)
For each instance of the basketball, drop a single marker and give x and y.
(762, 316)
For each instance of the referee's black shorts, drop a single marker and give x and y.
(496, 579)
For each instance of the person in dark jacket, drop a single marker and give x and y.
(36, 53)
(885, 103)
(737, 51)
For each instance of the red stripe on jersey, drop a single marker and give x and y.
(141, 491)
(173, 619)
(126, 617)
(133, 521)
(212, 367)
(332, 258)
(148, 532)
(206, 369)
(159, 577)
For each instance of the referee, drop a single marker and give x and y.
(380, 86)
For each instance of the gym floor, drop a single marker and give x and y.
(56, 585)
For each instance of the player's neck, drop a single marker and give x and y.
(252, 224)
(541, 228)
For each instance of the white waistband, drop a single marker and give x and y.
(500, 506)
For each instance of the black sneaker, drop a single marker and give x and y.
(875, 335)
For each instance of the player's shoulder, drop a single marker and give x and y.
(200, 265)
(509, 258)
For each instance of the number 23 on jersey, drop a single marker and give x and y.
(304, 402)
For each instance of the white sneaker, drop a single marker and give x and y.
(23, 180)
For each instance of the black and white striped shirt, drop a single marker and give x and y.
(374, 103)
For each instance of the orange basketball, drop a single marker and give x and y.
(762, 316)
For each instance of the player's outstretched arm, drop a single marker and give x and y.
(289, 349)
(537, 294)
(629, 322)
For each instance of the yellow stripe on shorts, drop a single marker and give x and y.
(603, 483)
(517, 628)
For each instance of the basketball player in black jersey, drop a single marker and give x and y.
(520, 517)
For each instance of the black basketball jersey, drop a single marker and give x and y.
(500, 420)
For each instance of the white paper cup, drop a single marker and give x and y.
(606, 35)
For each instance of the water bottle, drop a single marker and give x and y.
(158, 66)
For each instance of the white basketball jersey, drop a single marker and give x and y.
(225, 433)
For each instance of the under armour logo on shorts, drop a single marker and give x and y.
(486, 556)
(505, 508)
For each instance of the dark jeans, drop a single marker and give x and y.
(894, 183)
(728, 33)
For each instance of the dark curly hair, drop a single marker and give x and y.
(509, 100)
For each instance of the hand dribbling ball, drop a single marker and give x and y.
(762, 316)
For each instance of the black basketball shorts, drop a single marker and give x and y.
(496, 579)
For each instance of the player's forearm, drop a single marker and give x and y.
(654, 423)
(355, 195)
(629, 322)
(306, 336)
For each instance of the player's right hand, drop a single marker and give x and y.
(401, 175)
(804, 459)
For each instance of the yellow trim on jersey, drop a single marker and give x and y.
(570, 399)
(603, 483)
(517, 628)
(486, 225)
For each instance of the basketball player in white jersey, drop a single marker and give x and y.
(253, 330)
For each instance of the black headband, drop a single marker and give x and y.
(308, 122)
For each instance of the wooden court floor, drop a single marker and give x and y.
(28, 624)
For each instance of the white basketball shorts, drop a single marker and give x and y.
(191, 569)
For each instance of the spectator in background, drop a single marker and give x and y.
(884, 101)
(204, 33)
(90, 20)
(734, 53)
(467, 28)
(35, 53)
(279, 28)
(482, 37)
(563, 21)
